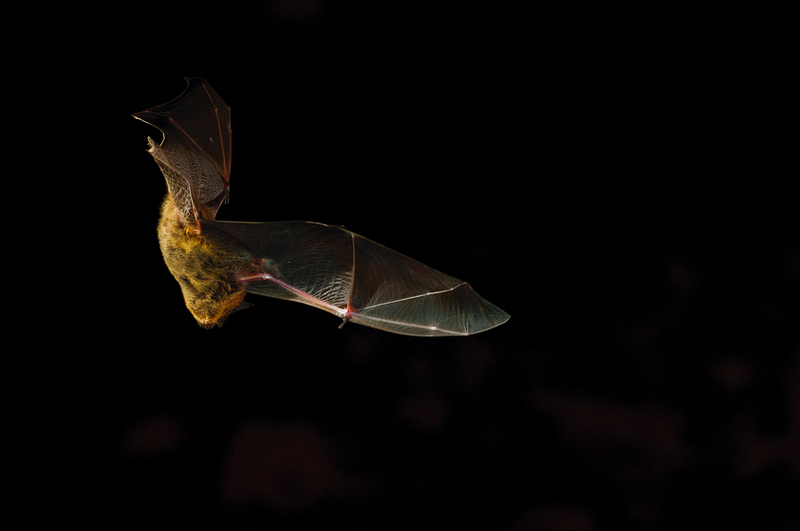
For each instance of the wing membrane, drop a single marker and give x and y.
(353, 277)
(195, 154)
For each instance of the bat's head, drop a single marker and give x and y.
(209, 313)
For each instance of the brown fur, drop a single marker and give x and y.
(204, 271)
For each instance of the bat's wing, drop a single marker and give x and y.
(195, 154)
(355, 278)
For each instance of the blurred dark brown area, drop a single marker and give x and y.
(616, 188)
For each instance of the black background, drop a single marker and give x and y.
(609, 178)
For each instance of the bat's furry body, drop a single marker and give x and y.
(205, 271)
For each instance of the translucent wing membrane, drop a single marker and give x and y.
(195, 154)
(352, 277)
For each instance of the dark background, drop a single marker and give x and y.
(609, 178)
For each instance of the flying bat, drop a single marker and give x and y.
(217, 262)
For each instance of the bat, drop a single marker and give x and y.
(216, 263)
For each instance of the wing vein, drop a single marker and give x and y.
(405, 324)
(303, 296)
(350, 288)
(395, 301)
(219, 132)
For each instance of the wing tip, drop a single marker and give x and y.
(489, 322)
